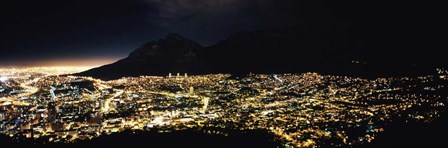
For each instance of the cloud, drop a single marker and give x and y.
(208, 21)
(197, 12)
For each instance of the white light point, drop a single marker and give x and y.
(3, 79)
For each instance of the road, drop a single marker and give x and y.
(106, 108)
(28, 91)
(205, 100)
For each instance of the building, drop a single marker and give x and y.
(52, 111)
(2, 115)
(191, 90)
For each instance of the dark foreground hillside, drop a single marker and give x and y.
(397, 134)
(154, 139)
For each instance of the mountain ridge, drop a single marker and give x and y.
(323, 49)
(155, 58)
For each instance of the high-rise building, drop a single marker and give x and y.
(53, 96)
(2, 115)
(52, 111)
(191, 90)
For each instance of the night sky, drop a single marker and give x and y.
(41, 32)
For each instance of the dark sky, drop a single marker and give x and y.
(37, 30)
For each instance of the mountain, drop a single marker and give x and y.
(171, 54)
(323, 48)
(276, 50)
(295, 49)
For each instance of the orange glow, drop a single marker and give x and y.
(88, 62)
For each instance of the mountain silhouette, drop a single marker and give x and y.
(319, 48)
(171, 54)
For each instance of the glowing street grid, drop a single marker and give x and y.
(301, 110)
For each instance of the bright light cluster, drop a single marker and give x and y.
(3, 79)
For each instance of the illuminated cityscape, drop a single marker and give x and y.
(223, 74)
(301, 110)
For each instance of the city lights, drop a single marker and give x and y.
(3, 79)
(301, 110)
